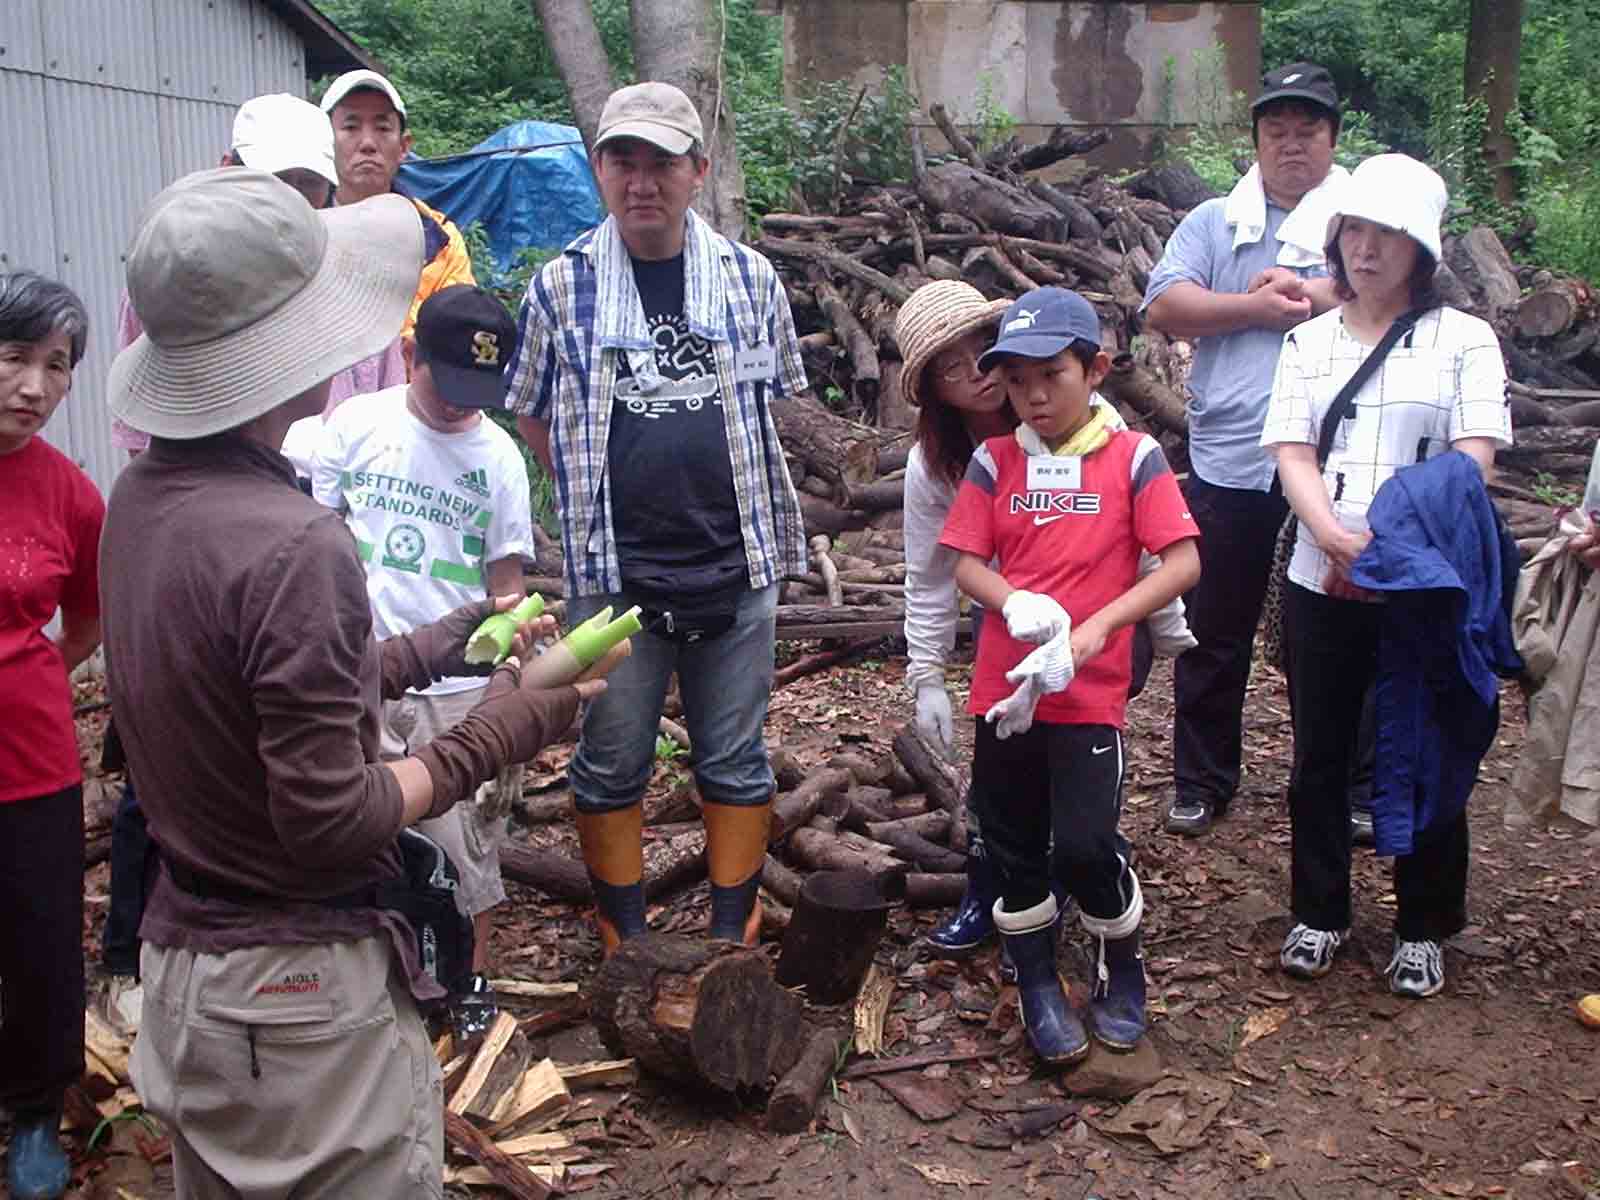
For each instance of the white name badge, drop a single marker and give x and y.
(1055, 472)
(755, 364)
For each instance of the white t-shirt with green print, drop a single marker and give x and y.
(428, 509)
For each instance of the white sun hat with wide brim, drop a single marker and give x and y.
(1396, 191)
(249, 297)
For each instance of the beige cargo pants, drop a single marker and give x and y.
(290, 1071)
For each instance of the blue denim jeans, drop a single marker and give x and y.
(725, 681)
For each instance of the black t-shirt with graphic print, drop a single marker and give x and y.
(672, 500)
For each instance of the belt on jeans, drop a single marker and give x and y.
(206, 887)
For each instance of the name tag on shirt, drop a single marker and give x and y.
(1055, 472)
(755, 364)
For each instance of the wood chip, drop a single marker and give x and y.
(872, 1006)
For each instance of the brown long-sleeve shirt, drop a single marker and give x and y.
(244, 680)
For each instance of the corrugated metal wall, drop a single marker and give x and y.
(103, 104)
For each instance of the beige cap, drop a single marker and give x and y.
(355, 81)
(281, 132)
(657, 113)
(249, 297)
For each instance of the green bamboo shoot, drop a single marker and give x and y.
(491, 641)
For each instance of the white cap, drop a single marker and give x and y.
(1398, 191)
(354, 81)
(280, 132)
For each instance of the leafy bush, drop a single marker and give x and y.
(1567, 227)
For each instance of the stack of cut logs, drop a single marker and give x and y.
(988, 220)
(898, 816)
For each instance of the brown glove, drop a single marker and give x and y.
(429, 653)
(509, 725)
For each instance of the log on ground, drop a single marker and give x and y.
(699, 1012)
(793, 1103)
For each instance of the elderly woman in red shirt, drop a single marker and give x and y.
(49, 542)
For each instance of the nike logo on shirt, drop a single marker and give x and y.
(1047, 520)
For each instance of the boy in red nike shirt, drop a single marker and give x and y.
(1064, 506)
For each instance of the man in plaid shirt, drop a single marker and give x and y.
(647, 356)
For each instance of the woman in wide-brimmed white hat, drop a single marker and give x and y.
(1441, 387)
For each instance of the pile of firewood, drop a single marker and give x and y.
(897, 816)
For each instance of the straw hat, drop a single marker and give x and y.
(935, 316)
(249, 297)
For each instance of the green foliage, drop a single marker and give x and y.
(1553, 492)
(992, 121)
(1567, 227)
(667, 748)
(791, 151)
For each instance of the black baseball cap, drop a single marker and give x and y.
(465, 335)
(1298, 81)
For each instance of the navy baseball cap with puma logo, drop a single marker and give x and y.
(465, 336)
(1042, 324)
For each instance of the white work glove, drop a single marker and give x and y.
(934, 721)
(1014, 714)
(1168, 625)
(1032, 617)
(1049, 668)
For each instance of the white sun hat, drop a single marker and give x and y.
(1398, 191)
(249, 297)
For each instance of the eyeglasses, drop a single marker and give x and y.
(955, 365)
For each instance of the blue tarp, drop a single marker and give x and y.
(529, 184)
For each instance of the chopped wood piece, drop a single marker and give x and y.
(505, 1171)
(530, 990)
(817, 549)
(919, 851)
(698, 1011)
(930, 825)
(867, 805)
(610, 1072)
(497, 1042)
(793, 1103)
(107, 1045)
(541, 1096)
(871, 1009)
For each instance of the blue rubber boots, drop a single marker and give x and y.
(1054, 1030)
(37, 1167)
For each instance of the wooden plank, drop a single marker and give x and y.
(535, 1143)
(528, 989)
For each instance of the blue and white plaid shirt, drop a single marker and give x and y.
(582, 315)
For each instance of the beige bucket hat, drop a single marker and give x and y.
(932, 318)
(250, 297)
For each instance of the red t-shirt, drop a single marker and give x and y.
(49, 551)
(1075, 534)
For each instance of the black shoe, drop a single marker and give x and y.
(1361, 832)
(473, 1012)
(1191, 818)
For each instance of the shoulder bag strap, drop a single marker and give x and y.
(1344, 403)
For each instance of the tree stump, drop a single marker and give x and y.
(833, 934)
(701, 1012)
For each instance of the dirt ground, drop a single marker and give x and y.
(1333, 1089)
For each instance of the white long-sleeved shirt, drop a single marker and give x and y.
(931, 598)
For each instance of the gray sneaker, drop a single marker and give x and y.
(1308, 953)
(1361, 832)
(1191, 818)
(1416, 969)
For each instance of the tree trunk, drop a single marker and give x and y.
(679, 42)
(1494, 55)
(580, 57)
(698, 1011)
